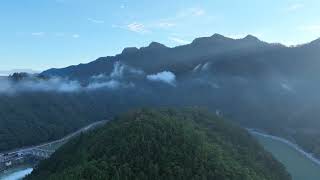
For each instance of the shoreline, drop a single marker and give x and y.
(287, 142)
(17, 172)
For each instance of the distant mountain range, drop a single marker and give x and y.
(221, 55)
(256, 84)
(9, 72)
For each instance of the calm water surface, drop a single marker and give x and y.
(298, 165)
(16, 174)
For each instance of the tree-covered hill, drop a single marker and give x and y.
(256, 84)
(261, 85)
(163, 144)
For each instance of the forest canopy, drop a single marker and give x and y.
(163, 144)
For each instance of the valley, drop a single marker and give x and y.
(185, 89)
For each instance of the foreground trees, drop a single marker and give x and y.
(163, 144)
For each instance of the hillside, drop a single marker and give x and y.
(254, 83)
(163, 144)
(261, 85)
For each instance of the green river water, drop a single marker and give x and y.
(299, 166)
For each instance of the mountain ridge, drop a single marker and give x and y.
(199, 48)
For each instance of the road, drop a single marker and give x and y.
(46, 147)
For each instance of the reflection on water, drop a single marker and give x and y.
(16, 174)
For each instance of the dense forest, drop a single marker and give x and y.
(262, 85)
(33, 118)
(163, 144)
(29, 119)
(256, 84)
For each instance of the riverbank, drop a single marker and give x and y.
(300, 164)
(16, 173)
(289, 143)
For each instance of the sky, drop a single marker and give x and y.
(41, 34)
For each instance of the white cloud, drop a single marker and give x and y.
(53, 84)
(179, 41)
(205, 66)
(165, 24)
(165, 76)
(99, 76)
(118, 70)
(112, 84)
(294, 7)
(137, 27)
(39, 34)
(287, 87)
(96, 21)
(76, 36)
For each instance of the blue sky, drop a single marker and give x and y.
(39, 34)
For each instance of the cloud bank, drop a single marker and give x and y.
(165, 76)
(53, 84)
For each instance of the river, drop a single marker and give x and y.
(300, 164)
(17, 173)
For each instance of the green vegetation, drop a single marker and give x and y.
(30, 119)
(164, 144)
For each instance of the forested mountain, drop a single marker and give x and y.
(262, 85)
(225, 56)
(163, 144)
(254, 83)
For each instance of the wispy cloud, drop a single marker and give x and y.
(39, 34)
(134, 27)
(165, 76)
(294, 7)
(163, 24)
(179, 40)
(137, 27)
(96, 21)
